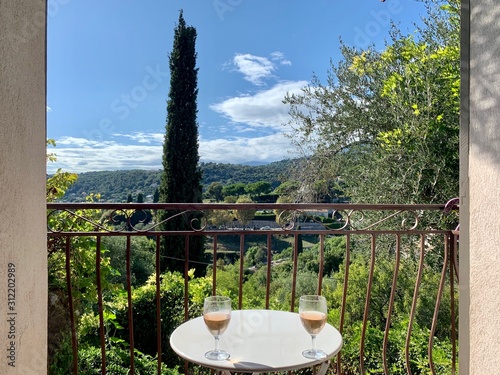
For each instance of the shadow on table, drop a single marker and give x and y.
(252, 366)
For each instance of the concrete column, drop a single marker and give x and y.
(23, 249)
(480, 191)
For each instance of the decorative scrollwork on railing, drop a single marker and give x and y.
(405, 220)
(119, 220)
(130, 220)
(286, 219)
(293, 219)
(199, 224)
(200, 217)
(187, 214)
(354, 220)
(451, 205)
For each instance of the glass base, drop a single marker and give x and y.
(217, 355)
(314, 354)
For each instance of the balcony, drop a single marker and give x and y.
(390, 273)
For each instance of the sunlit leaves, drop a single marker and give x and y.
(387, 121)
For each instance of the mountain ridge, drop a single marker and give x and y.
(115, 186)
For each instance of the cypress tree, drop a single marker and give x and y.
(156, 196)
(182, 176)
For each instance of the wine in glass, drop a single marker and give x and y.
(312, 311)
(217, 314)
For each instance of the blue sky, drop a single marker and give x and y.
(108, 76)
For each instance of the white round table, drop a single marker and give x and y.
(257, 340)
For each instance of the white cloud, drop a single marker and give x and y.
(142, 137)
(241, 149)
(78, 156)
(280, 58)
(82, 142)
(254, 68)
(48, 109)
(263, 109)
(81, 155)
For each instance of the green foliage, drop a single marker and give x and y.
(118, 362)
(396, 356)
(255, 256)
(334, 251)
(260, 215)
(82, 257)
(377, 318)
(142, 258)
(115, 186)
(59, 182)
(227, 174)
(172, 311)
(387, 121)
(244, 216)
(253, 294)
(182, 176)
(230, 199)
(219, 218)
(258, 188)
(287, 188)
(214, 192)
(83, 276)
(236, 189)
(284, 217)
(227, 280)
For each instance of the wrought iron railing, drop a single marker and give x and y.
(412, 239)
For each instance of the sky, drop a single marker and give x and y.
(108, 75)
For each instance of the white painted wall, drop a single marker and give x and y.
(480, 193)
(23, 318)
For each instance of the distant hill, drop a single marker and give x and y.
(115, 186)
(254, 163)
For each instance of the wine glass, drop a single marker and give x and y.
(217, 314)
(312, 311)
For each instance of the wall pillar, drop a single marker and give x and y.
(23, 239)
(480, 190)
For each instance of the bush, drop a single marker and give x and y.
(118, 362)
(395, 350)
(172, 311)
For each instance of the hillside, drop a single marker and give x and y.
(115, 186)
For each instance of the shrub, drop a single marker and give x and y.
(118, 362)
(172, 311)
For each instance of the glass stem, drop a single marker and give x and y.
(313, 342)
(216, 343)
